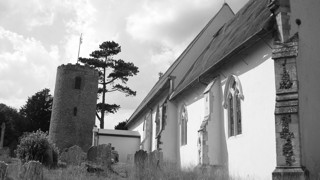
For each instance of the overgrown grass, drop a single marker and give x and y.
(121, 171)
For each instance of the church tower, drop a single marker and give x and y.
(74, 106)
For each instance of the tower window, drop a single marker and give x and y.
(75, 111)
(77, 84)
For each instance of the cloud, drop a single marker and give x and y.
(28, 68)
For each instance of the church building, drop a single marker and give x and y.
(243, 96)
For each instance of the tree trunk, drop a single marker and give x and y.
(103, 98)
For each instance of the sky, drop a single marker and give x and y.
(38, 36)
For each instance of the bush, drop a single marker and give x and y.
(37, 147)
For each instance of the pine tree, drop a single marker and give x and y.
(113, 76)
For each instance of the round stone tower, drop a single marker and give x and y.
(74, 106)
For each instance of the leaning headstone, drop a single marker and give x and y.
(32, 170)
(3, 170)
(92, 154)
(73, 155)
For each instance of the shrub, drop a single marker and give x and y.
(36, 146)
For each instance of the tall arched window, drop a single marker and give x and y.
(232, 102)
(184, 126)
(77, 84)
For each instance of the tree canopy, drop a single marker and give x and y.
(16, 125)
(121, 126)
(113, 76)
(37, 110)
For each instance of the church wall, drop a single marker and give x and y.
(252, 154)
(189, 154)
(308, 64)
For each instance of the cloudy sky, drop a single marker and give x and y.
(37, 36)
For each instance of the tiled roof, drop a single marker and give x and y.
(251, 20)
(163, 81)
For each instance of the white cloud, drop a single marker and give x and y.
(27, 69)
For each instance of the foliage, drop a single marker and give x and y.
(15, 126)
(37, 110)
(36, 146)
(113, 76)
(121, 126)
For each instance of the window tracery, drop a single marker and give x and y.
(232, 102)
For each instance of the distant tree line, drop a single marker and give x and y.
(32, 116)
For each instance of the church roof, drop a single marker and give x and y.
(246, 24)
(247, 27)
(163, 82)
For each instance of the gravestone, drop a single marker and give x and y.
(92, 154)
(73, 155)
(155, 159)
(140, 162)
(104, 155)
(3, 170)
(100, 155)
(32, 170)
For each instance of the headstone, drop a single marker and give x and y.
(140, 158)
(155, 159)
(3, 128)
(73, 155)
(3, 170)
(140, 162)
(100, 155)
(104, 155)
(32, 170)
(92, 154)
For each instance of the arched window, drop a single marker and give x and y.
(75, 111)
(232, 102)
(184, 126)
(77, 84)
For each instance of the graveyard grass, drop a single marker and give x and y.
(73, 172)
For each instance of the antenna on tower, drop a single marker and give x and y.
(80, 42)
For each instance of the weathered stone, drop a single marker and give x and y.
(140, 162)
(33, 170)
(155, 159)
(140, 158)
(104, 155)
(92, 154)
(100, 155)
(3, 170)
(73, 155)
